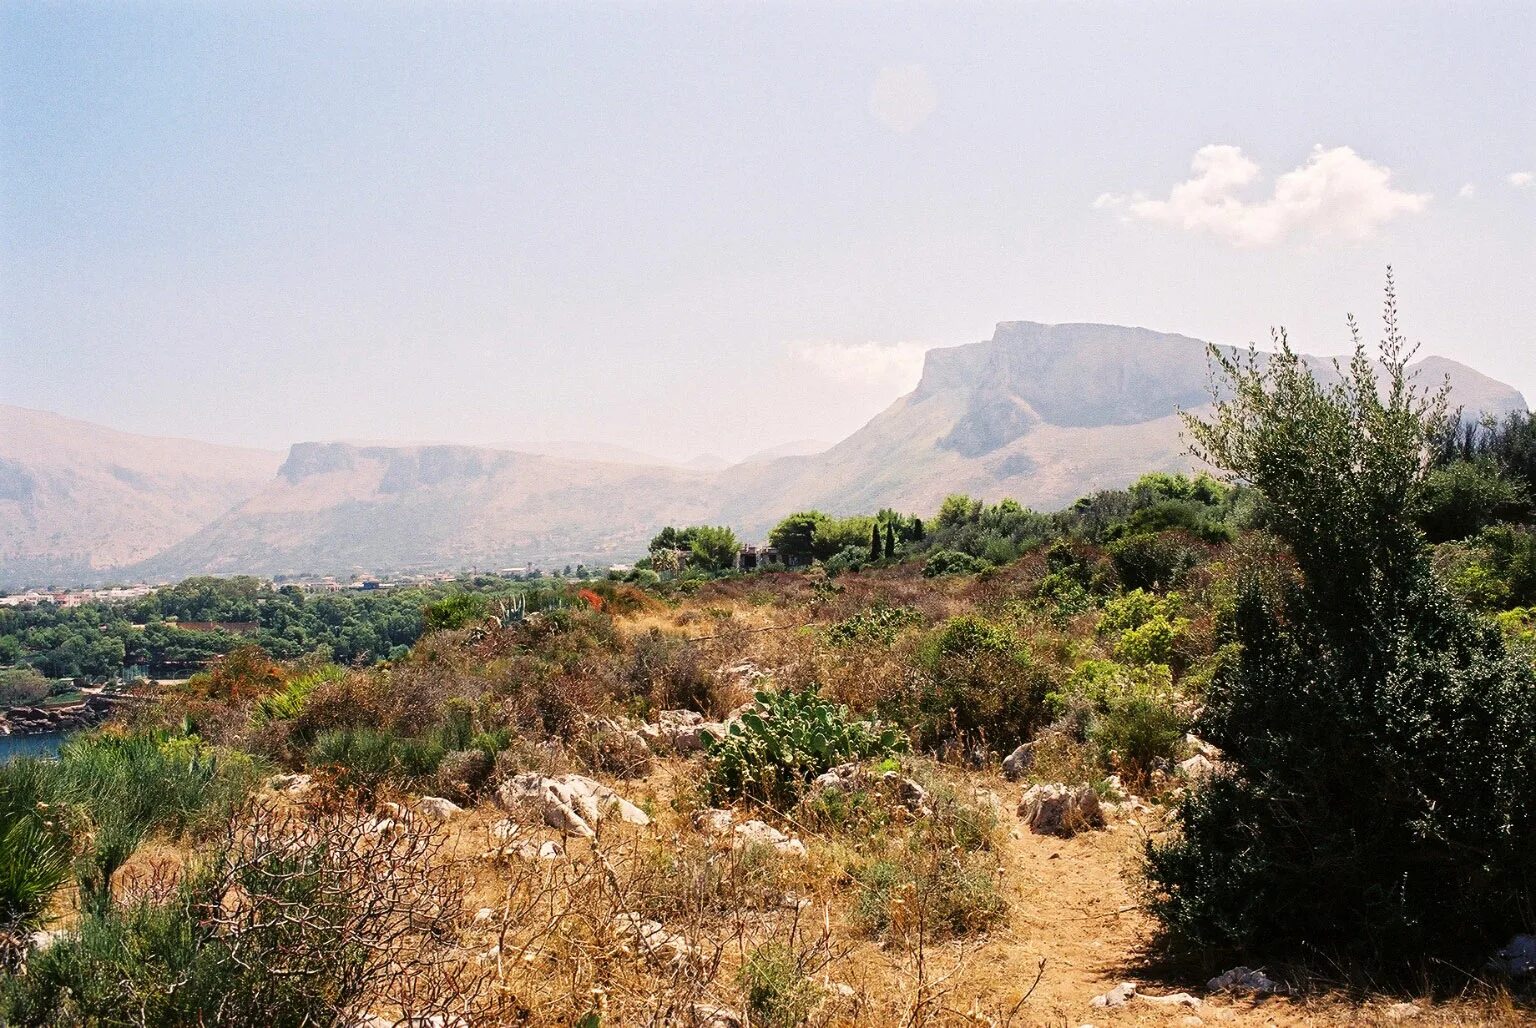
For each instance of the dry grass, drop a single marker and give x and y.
(1073, 930)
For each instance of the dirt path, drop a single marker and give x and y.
(1075, 904)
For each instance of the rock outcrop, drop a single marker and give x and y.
(572, 803)
(1057, 809)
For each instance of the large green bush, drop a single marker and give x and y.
(1379, 804)
(1152, 560)
(953, 562)
(1128, 713)
(976, 685)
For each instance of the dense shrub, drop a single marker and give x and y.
(1464, 497)
(1152, 560)
(34, 854)
(777, 991)
(463, 774)
(295, 920)
(977, 686)
(667, 672)
(938, 879)
(288, 702)
(1128, 713)
(953, 562)
(356, 758)
(97, 802)
(455, 612)
(1379, 804)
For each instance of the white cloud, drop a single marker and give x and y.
(1467, 191)
(1337, 194)
(1521, 179)
(885, 364)
(902, 97)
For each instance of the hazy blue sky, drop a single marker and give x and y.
(690, 228)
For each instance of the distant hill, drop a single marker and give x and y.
(1042, 413)
(77, 499)
(336, 507)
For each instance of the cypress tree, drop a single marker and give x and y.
(890, 540)
(874, 541)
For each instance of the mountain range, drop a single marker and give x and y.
(1042, 413)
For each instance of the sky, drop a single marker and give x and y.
(714, 228)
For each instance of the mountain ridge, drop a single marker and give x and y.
(1043, 413)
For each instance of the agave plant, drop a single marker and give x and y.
(34, 856)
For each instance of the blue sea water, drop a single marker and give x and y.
(46, 745)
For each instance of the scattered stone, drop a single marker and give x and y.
(1131, 807)
(793, 902)
(716, 1017)
(551, 851)
(1202, 747)
(679, 731)
(760, 833)
(1018, 763)
(294, 785)
(571, 803)
(42, 939)
(1403, 1011)
(504, 831)
(484, 914)
(1173, 999)
(651, 939)
(437, 808)
(1119, 996)
(1197, 767)
(1518, 959)
(852, 776)
(714, 821)
(618, 747)
(1060, 809)
(1244, 981)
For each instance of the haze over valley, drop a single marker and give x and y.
(1040, 413)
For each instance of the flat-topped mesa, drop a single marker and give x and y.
(1083, 375)
(1074, 376)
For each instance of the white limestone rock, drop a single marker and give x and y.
(1056, 809)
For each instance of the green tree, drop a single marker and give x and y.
(874, 542)
(713, 547)
(1466, 496)
(890, 541)
(956, 510)
(795, 536)
(1377, 803)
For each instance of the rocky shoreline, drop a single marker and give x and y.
(91, 711)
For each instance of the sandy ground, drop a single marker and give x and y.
(1075, 930)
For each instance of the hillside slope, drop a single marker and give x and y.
(334, 506)
(1041, 413)
(78, 499)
